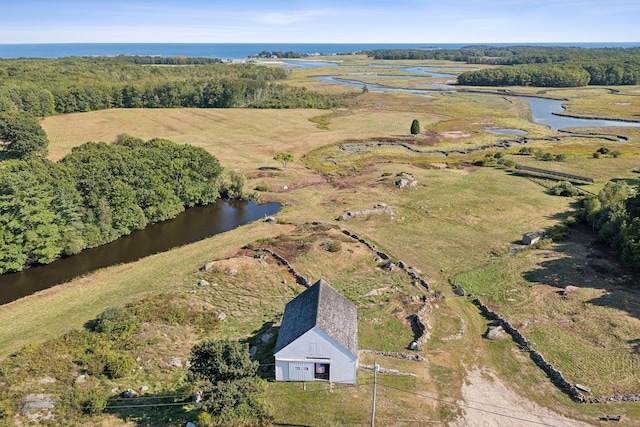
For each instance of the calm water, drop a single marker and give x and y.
(542, 112)
(542, 109)
(190, 226)
(233, 50)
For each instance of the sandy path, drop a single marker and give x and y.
(491, 404)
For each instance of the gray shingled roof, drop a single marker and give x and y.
(324, 307)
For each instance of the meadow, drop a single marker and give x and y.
(458, 225)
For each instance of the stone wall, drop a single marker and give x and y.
(385, 257)
(554, 374)
(300, 279)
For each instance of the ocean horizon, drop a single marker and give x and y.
(234, 51)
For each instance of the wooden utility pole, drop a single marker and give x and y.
(373, 397)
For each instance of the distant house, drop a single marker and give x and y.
(318, 338)
(532, 237)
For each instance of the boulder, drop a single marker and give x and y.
(207, 266)
(459, 291)
(129, 393)
(203, 283)
(389, 266)
(222, 316)
(496, 333)
(569, 289)
(401, 183)
(266, 337)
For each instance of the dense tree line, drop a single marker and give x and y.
(615, 215)
(279, 54)
(527, 75)
(96, 194)
(76, 84)
(542, 66)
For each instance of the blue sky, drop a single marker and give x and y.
(298, 21)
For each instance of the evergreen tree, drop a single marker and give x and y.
(415, 127)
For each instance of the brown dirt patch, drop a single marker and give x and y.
(489, 402)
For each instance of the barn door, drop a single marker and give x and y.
(301, 371)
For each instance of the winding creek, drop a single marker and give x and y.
(201, 222)
(543, 110)
(194, 224)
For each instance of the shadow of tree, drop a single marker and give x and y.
(264, 340)
(585, 264)
(178, 407)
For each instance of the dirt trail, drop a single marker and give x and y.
(488, 402)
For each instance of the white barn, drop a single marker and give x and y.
(318, 338)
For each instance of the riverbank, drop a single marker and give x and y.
(194, 224)
(54, 311)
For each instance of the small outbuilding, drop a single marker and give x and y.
(532, 237)
(318, 338)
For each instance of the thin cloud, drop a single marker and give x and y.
(280, 18)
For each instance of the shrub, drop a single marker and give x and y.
(565, 189)
(558, 232)
(94, 404)
(117, 364)
(116, 323)
(507, 163)
(261, 188)
(333, 246)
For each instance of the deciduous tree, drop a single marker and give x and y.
(283, 158)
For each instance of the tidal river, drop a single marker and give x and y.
(194, 224)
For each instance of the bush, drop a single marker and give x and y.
(558, 232)
(333, 246)
(117, 364)
(94, 404)
(565, 189)
(507, 163)
(115, 323)
(261, 188)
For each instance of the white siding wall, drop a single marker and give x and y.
(316, 346)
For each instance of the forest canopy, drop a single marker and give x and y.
(543, 66)
(43, 87)
(96, 194)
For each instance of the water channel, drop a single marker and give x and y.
(543, 110)
(194, 224)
